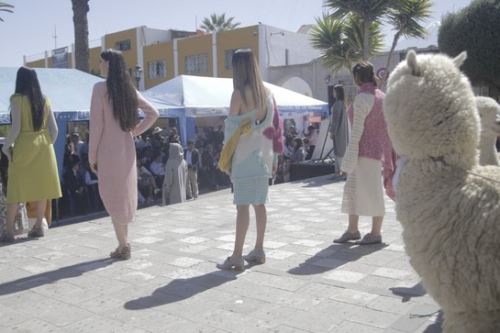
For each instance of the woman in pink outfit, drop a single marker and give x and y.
(114, 123)
(369, 150)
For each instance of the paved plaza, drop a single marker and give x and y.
(66, 283)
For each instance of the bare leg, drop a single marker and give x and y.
(242, 221)
(377, 225)
(11, 217)
(353, 223)
(261, 221)
(121, 231)
(40, 213)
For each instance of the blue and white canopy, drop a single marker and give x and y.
(208, 96)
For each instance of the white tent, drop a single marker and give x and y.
(188, 97)
(209, 96)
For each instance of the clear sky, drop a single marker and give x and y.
(30, 29)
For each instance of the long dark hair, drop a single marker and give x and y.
(27, 84)
(246, 74)
(121, 90)
(363, 73)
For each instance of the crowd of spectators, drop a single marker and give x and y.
(80, 184)
(299, 147)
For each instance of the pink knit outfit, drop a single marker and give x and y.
(375, 142)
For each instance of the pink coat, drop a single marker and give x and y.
(114, 152)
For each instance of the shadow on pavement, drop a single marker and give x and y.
(436, 327)
(37, 280)
(19, 239)
(181, 289)
(334, 256)
(407, 293)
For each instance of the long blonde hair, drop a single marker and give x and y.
(246, 74)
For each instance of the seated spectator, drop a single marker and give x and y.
(312, 137)
(146, 183)
(157, 168)
(91, 182)
(74, 188)
(307, 148)
(208, 164)
(299, 154)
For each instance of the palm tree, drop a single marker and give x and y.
(5, 7)
(80, 22)
(218, 23)
(341, 40)
(406, 19)
(368, 11)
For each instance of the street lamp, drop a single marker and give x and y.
(137, 75)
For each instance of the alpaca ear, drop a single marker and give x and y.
(411, 60)
(459, 59)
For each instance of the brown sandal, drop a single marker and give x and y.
(36, 232)
(121, 254)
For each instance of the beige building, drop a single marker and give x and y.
(164, 54)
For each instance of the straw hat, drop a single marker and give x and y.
(157, 130)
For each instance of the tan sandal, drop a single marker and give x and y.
(370, 239)
(237, 264)
(255, 257)
(347, 236)
(121, 254)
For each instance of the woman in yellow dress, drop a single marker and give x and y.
(32, 174)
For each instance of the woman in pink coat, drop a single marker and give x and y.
(114, 123)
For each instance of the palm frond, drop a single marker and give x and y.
(216, 23)
(340, 41)
(408, 16)
(5, 7)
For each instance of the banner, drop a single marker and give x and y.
(60, 58)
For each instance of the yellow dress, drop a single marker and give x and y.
(32, 172)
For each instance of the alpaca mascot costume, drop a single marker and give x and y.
(489, 112)
(448, 205)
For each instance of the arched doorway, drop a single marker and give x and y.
(298, 85)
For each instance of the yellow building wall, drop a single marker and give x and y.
(36, 64)
(152, 53)
(94, 55)
(244, 38)
(130, 55)
(193, 46)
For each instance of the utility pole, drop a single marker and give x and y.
(55, 38)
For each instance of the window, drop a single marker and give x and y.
(157, 69)
(123, 45)
(228, 58)
(197, 64)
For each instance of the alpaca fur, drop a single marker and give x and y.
(448, 205)
(489, 112)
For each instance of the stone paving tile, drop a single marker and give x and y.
(308, 284)
(98, 324)
(353, 297)
(351, 327)
(418, 316)
(36, 325)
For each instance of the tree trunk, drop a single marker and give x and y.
(389, 57)
(366, 39)
(80, 10)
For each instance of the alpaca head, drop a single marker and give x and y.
(431, 111)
